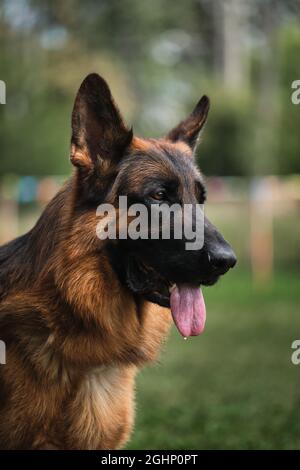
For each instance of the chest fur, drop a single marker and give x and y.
(101, 412)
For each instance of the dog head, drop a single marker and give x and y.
(111, 162)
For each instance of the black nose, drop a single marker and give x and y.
(222, 259)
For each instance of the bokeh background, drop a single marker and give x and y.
(235, 387)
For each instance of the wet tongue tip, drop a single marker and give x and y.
(188, 310)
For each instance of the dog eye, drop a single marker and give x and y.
(159, 195)
(200, 192)
(202, 197)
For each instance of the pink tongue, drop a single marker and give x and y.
(188, 310)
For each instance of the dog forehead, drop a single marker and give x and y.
(160, 145)
(157, 160)
(162, 156)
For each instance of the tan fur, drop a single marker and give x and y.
(71, 359)
(75, 334)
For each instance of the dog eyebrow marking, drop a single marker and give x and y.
(140, 145)
(180, 147)
(145, 145)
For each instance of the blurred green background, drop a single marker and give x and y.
(235, 386)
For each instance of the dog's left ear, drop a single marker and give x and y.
(99, 135)
(189, 129)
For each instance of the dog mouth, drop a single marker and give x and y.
(186, 301)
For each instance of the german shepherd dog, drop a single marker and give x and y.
(79, 316)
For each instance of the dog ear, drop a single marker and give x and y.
(189, 129)
(99, 135)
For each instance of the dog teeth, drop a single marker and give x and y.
(172, 288)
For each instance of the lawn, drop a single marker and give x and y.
(235, 386)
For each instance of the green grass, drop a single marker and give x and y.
(234, 387)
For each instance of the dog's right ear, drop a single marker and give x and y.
(189, 129)
(99, 135)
